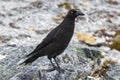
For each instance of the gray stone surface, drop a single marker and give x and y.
(113, 73)
(70, 61)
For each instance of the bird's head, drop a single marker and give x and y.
(74, 13)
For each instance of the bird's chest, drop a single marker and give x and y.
(63, 38)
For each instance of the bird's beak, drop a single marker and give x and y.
(79, 13)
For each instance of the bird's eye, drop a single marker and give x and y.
(72, 12)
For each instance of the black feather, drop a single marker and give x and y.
(57, 40)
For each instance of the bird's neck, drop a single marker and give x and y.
(69, 24)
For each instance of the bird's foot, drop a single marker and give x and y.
(60, 70)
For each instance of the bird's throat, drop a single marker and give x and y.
(69, 24)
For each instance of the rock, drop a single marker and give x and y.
(1, 78)
(2, 56)
(4, 39)
(92, 54)
(73, 64)
(110, 33)
(37, 4)
(113, 73)
(41, 31)
(27, 74)
(13, 25)
(77, 63)
(1, 23)
(113, 2)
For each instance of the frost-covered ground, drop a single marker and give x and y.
(27, 22)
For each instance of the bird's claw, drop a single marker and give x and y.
(60, 70)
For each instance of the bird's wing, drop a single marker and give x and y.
(46, 41)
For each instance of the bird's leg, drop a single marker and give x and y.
(56, 62)
(56, 67)
(59, 69)
(52, 63)
(43, 76)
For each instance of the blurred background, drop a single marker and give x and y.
(27, 22)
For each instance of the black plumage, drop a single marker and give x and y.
(56, 41)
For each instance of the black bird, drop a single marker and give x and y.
(56, 41)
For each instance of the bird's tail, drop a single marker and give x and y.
(31, 57)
